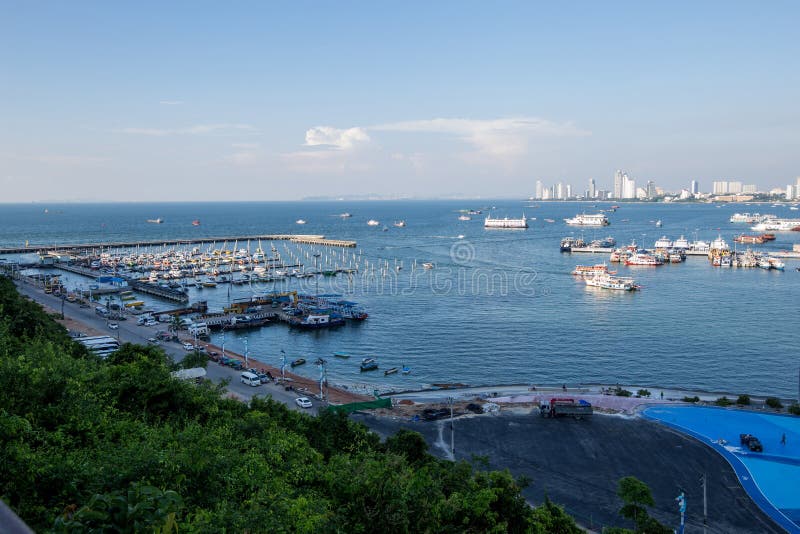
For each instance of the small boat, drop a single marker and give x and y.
(550, 220)
(156, 221)
(461, 236)
(341, 355)
(209, 283)
(134, 304)
(428, 265)
(300, 221)
(196, 222)
(391, 371)
(407, 370)
(345, 215)
(373, 222)
(464, 218)
(658, 223)
(369, 364)
(298, 361)
(399, 224)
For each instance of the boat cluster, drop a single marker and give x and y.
(599, 276)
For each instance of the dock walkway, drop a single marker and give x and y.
(87, 247)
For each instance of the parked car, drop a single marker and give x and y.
(150, 322)
(303, 402)
(152, 341)
(113, 326)
(188, 346)
(263, 377)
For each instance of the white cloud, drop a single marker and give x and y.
(328, 136)
(171, 102)
(198, 129)
(494, 137)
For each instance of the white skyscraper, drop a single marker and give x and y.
(694, 187)
(593, 190)
(720, 188)
(568, 191)
(628, 187)
(618, 184)
(539, 189)
(560, 191)
(734, 187)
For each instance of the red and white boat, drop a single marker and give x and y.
(643, 258)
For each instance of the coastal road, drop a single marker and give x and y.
(130, 332)
(577, 463)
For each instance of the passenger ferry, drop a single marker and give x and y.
(584, 219)
(591, 270)
(777, 225)
(505, 222)
(643, 258)
(606, 281)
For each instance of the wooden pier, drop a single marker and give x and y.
(88, 247)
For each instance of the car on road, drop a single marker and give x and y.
(151, 322)
(113, 326)
(188, 346)
(303, 402)
(152, 341)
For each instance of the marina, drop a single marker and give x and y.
(417, 312)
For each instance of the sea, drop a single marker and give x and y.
(497, 306)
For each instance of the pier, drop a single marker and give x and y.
(168, 293)
(88, 247)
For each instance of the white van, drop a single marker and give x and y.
(250, 379)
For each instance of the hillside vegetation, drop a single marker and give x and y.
(118, 445)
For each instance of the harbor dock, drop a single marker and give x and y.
(90, 247)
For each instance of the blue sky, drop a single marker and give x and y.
(262, 101)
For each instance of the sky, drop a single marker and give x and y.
(186, 101)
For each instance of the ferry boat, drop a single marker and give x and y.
(680, 243)
(641, 257)
(399, 224)
(777, 225)
(568, 243)
(156, 221)
(373, 222)
(663, 242)
(591, 270)
(505, 222)
(606, 281)
(745, 218)
(584, 219)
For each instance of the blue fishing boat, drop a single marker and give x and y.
(369, 364)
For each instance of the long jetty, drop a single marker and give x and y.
(85, 247)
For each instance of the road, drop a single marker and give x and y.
(130, 332)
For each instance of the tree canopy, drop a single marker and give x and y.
(97, 445)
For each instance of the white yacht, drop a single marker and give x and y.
(585, 219)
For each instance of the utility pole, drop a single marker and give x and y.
(452, 430)
(705, 503)
(283, 365)
(246, 360)
(223, 342)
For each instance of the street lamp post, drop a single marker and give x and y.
(283, 365)
(223, 343)
(246, 360)
(63, 298)
(452, 429)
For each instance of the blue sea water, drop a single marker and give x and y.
(500, 305)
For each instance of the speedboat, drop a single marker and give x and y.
(369, 364)
(399, 224)
(428, 265)
(391, 371)
(298, 361)
(300, 221)
(373, 222)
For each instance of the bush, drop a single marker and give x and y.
(723, 401)
(691, 399)
(619, 392)
(743, 400)
(794, 409)
(643, 393)
(774, 402)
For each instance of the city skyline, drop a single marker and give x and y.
(104, 102)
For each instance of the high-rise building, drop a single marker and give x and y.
(694, 187)
(749, 188)
(720, 188)
(628, 187)
(593, 189)
(559, 191)
(651, 189)
(734, 187)
(791, 192)
(618, 184)
(539, 189)
(568, 191)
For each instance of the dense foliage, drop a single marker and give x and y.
(118, 445)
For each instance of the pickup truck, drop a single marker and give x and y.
(751, 442)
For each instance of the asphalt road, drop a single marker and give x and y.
(578, 463)
(130, 332)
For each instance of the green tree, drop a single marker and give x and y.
(636, 497)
